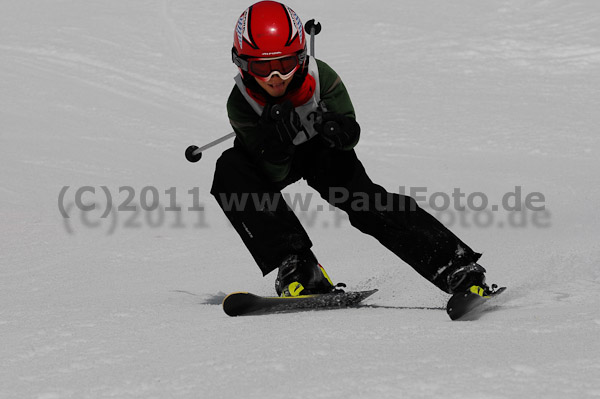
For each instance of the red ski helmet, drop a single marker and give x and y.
(267, 30)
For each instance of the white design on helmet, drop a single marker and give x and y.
(242, 28)
(296, 24)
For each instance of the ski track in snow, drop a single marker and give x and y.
(484, 96)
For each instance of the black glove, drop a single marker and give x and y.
(280, 124)
(337, 130)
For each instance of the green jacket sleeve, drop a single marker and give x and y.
(333, 92)
(334, 95)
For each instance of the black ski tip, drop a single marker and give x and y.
(233, 304)
(467, 305)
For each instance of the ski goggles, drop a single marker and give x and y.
(265, 68)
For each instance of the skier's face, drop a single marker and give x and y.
(275, 86)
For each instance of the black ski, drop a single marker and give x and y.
(245, 303)
(468, 305)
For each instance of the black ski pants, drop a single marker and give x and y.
(271, 231)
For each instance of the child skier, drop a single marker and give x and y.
(294, 119)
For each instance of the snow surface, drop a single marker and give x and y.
(481, 96)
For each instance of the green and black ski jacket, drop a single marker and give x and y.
(244, 114)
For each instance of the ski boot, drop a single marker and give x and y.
(301, 274)
(469, 292)
(469, 278)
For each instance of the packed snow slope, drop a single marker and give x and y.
(102, 97)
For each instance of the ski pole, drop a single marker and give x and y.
(194, 153)
(314, 29)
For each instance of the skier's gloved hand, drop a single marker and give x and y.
(337, 130)
(287, 121)
(280, 124)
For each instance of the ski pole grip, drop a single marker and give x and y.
(331, 128)
(276, 112)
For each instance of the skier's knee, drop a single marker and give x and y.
(229, 161)
(227, 166)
